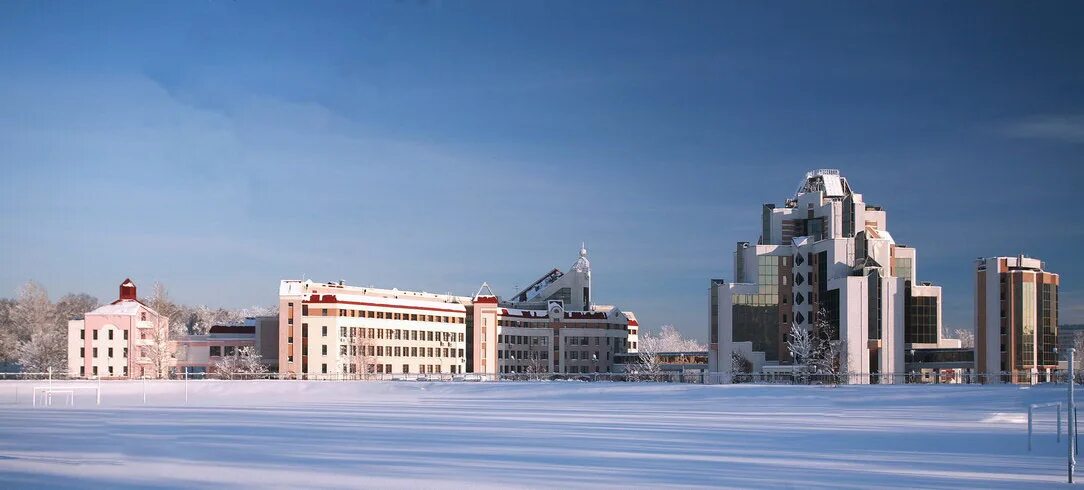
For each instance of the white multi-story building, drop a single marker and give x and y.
(827, 253)
(550, 326)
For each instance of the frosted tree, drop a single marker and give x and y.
(966, 337)
(255, 311)
(828, 358)
(41, 343)
(800, 346)
(159, 349)
(206, 317)
(73, 307)
(649, 346)
(45, 350)
(32, 311)
(167, 309)
(8, 339)
(740, 367)
(247, 362)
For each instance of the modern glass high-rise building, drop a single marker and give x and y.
(827, 254)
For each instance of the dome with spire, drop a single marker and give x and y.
(582, 264)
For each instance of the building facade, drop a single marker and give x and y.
(198, 354)
(125, 338)
(551, 325)
(1016, 318)
(825, 257)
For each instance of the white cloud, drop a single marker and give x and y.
(1066, 128)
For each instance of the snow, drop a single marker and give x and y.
(121, 308)
(508, 435)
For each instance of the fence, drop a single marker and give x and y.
(948, 377)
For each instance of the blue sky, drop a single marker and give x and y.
(435, 145)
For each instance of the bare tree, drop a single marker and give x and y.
(360, 356)
(536, 366)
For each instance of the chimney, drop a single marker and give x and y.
(128, 290)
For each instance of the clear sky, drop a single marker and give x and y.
(220, 146)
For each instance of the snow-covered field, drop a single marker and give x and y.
(429, 435)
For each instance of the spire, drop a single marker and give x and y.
(485, 294)
(485, 290)
(583, 249)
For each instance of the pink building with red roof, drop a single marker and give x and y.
(125, 338)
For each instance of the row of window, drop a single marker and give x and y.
(109, 352)
(227, 350)
(402, 334)
(584, 355)
(386, 369)
(378, 315)
(83, 370)
(567, 369)
(522, 355)
(523, 339)
(397, 351)
(94, 334)
(546, 324)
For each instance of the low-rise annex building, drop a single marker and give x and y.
(198, 354)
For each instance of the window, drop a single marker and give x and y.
(110, 370)
(323, 331)
(95, 354)
(82, 370)
(216, 350)
(110, 331)
(142, 317)
(95, 370)
(342, 331)
(228, 350)
(82, 352)
(304, 310)
(323, 311)
(125, 335)
(95, 335)
(323, 368)
(126, 353)
(323, 350)
(109, 353)
(406, 368)
(82, 334)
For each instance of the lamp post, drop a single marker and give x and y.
(1072, 417)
